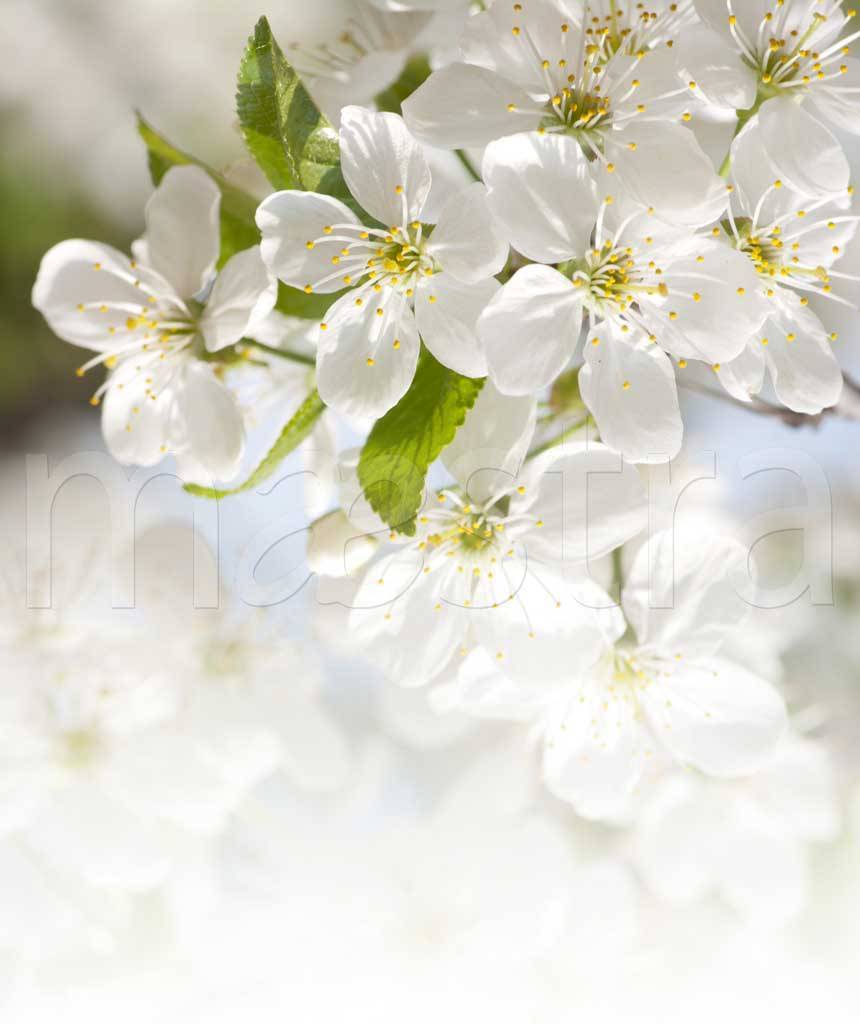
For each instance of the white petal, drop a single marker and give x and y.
(136, 429)
(681, 838)
(540, 629)
(243, 295)
(807, 156)
(489, 40)
(398, 622)
(587, 498)
(488, 450)
(182, 229)
(482, 690)
(315, 754)
(529, 330)
(100, 841)
(805, 373)
(729, 311)
(764, 876)
(467, 241)
(629, 387)
(336, 547)
(798, 788)
(78, 273)
(716, 716)
(380, 157)
(542, 192)
(717, 69)
(681, 596)
(210, 423)
(462, 105)
(594, 755)
(447, 312)
(837, 102)
(288, 221)
(692, 195)
(743, 376)
(359, 370)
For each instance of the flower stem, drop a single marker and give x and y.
(467, 163)
(295, 357)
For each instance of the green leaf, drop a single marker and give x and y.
(402, 445)
(294, 432)
(238, 230)
(292, 141)
(416, 71)
(295, 302)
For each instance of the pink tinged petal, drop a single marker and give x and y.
(447, 311)
(805, 373)
(243, 295)
(366, 359)
(84, 289)
(209, 422)
(720, 74)
(595, 754)
(806, 155)
(529, 330)
(542, 193)
(681, 597)
(539, 628)
(729, 310)
(743, 376)
(467, 241)
(585, 501)
(489, 449)
(301, 243)
(383, 165)
(716, 716)
(629, 387)
(396, 619)
(136, 426)
(669, 171)
(182, 229)
(462, 105)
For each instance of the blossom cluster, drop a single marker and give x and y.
(508, 256)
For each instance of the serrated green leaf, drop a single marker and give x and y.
(408, 438)
(414, 73)
(295, 302)
(294, 432)
(238, 229)
(289, 137)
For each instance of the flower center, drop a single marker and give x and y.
(781, 51)
(612, 280)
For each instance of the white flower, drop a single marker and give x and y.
(604, 76)
(755, 49)
(796, 242)
(368, 55)
(747, 839)
(668, 689)
(404, 280)
(647, 290)
(153, 320)
(485, 569)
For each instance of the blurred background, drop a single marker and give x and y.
(358, 855)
